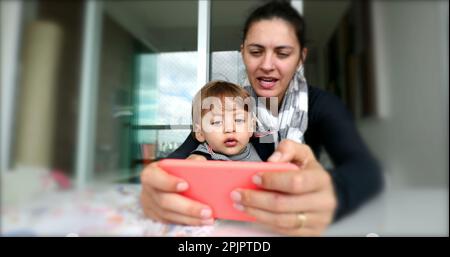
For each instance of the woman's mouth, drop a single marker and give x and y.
(230, 142)
(267, 82)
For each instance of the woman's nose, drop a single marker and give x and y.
(267, 62)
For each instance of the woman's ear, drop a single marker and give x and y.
(304, 53)
(242, 51)
(302, 60)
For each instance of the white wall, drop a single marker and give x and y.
(411, 137)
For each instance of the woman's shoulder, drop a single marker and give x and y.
(323, 103)
(319, 98)
(316, 94)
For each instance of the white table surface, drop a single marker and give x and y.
(115, 211)
(401, 212)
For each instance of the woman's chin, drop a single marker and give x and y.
(263, 92)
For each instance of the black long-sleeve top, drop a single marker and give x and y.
(357, 175)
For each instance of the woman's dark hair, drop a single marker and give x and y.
(278, 9)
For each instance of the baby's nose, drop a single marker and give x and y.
(229, 126)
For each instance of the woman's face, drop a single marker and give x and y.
(271, 54)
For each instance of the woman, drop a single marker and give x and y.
(303, 202)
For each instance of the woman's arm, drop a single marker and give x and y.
(185, 149)
(357, 175)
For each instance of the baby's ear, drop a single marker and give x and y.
(252, 125)
(200, 137)
(196, 128)
(199, 134)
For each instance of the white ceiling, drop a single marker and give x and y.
(172, 25)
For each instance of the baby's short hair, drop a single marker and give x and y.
(219, 90)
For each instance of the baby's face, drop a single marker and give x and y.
(226, 131)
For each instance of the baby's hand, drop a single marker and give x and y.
(196, 157)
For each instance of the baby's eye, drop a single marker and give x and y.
(239, 121)
(216, 123)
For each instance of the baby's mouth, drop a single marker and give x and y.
(230, 142)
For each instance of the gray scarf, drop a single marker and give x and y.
(249, 154)
(292, 119)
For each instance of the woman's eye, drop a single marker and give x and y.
(239, 121)
(255, 53)
(283, 55)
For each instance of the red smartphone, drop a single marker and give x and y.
(211, 182)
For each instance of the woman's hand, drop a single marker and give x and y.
(298, 203)
(160, 199)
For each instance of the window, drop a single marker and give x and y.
(148, 78)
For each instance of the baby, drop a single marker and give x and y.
(223, 122)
